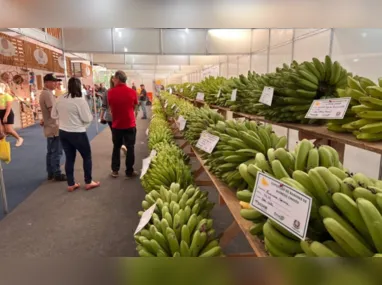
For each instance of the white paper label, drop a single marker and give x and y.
(146, 217)
(181, 90)
(182, 123)
(165, 104)
(170, 91)
(207, 142)
(200, 96)
(233, 95)
(147, 132)
(283, 204)
(176, 110)
(145, 165)
(192, 88)
(267, 96)
(219, 92)
(153, 153)
(173, 106)
(328, 108)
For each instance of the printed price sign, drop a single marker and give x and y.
(192, 88)
(182, 123)
(233, 95)
(219, 92)
(207, 142)
(176, 110)
(200, 96)
(170, 91)
(173, 106)
(181, 90)
(328, 109)
(145, 166)
(146, 217)
(165, 104)
(283, 204)
(267, 96)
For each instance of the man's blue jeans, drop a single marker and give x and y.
(143, 106)
(53, 156)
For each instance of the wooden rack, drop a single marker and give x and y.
(226, 197)
(320, 133)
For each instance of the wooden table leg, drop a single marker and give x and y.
(229, 234)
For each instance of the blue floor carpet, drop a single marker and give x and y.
(27, 169)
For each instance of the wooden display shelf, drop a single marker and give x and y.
(230, 199)
(320, 132)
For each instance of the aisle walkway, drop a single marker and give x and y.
(52, 222)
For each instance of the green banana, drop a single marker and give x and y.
(320, 250)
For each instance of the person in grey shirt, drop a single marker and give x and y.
(143, 101)
(105, 116)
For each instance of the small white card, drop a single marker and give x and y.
(182, 123)
(207, 142)
(145, 166)
(176, 110)
(267, 96)
(170, 91)
(181, 90)
(283, 204)
(153, 153)
(328, 109)
(219, 92)
(173, 106)
(165, 104)
(146, 217)
(192, 88)
(233, 95)
(200, 96)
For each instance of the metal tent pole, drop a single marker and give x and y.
(3, 192)
(94, 99)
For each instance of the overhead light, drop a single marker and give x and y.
(356, 59)
(120, 34)
(186, 30)
(125, 49)
(364, 35)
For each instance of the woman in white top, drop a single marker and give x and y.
(74, 117)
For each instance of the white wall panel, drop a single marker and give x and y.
(359, 51)
(204, 59)
(182, 41)
(360, 160)
(302, 32)
(224, 69)
(173, 59)
(243, 64)
(229, 41)
(108, 58)
(280, 55)
(140, 59)
(313, 46)
(137, 41)
(232, 66)
(259, 62)
(88, 40)
(279, 36)
(260, 39)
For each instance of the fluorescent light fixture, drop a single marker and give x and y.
(364, 35)
(120, 34)
(186, 30)
(125, 49)
(356, 59)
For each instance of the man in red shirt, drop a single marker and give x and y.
(122, 101)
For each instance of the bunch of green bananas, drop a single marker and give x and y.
(198, 121)
(366, 110)
(168, 166)
(240, 142)
(175, 106)
(180, 226)
(346, 210)
(159, 131)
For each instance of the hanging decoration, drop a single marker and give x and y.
(40, 56)
(6, 47)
